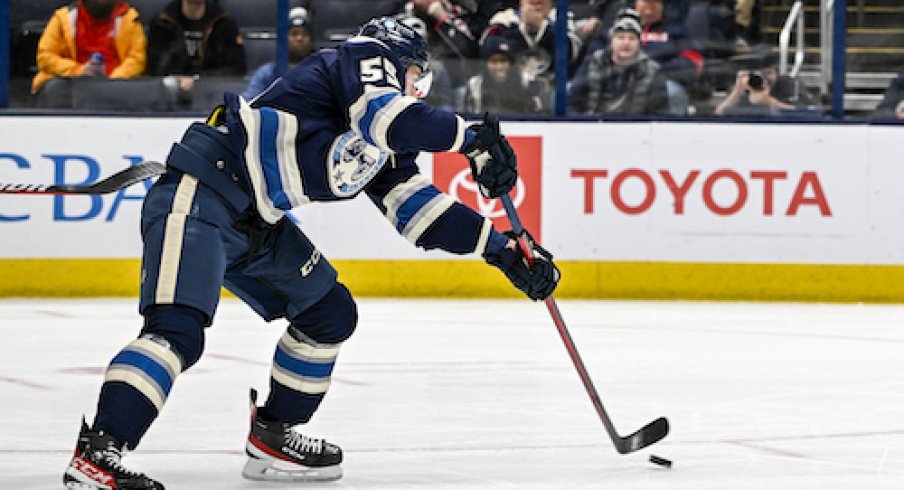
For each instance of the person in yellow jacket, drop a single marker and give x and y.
(107, 30)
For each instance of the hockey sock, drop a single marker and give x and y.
(299, 378)
(140, 377)
(306, 354)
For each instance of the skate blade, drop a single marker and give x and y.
(76, 485)
(75, 482)
(265, 470)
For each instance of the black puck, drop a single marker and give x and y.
(660, 461)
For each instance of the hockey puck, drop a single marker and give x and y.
(660, 461)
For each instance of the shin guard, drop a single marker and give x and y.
(140, 377)
(300, 376)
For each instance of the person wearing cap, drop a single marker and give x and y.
(622, 79)
(300, 46)
(501, 87)
(530, 29)
(759, 89)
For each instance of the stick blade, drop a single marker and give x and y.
(649, 434)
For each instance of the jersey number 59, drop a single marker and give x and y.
(377, 69)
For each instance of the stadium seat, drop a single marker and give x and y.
(148, 9)
(101, 94)
(335, 18)
(21, 11)
(260, 48)
(24, 48)
(208, 91)
(252, 14)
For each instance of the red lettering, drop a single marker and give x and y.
(809, 179)
(679, 191)
(616, 191)
(708, 192)
(769, 179)
(588, 176)
(91, 471)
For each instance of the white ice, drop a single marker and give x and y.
(482, 395)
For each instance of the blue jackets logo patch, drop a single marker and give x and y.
(352, 164)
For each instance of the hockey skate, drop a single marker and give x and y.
(97, 465)
(277, 453)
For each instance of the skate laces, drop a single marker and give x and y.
(303, 443)
(113, 458)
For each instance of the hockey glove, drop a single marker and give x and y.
(494, 165)
(537, 280)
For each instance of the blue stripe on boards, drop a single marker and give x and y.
(302, 368)
(413, 204)
(147, 365)
(370, 112)
(269, 161)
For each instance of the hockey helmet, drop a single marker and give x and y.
(403, 41)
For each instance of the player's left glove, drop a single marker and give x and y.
(537, 280)
(494, 165)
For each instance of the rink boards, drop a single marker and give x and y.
(630, 210)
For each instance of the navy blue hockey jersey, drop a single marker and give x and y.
(338, 124)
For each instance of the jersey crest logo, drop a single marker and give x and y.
(353, 163)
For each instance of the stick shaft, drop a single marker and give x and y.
(559, 321)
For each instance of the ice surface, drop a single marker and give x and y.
(481, 395)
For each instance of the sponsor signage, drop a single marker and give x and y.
(684, 192)
(452, 175)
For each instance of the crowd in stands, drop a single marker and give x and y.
(624, 57)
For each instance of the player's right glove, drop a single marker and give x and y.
(537, 280)
(494, 165)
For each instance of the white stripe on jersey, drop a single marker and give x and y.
(425, 217)
(484, 237)
(459, 134)
(289, 171)
(400, 193)
(286, 172)
(251, 120)
(374, 112)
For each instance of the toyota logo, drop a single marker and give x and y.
(462, 184)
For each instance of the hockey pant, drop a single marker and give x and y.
(193, 244)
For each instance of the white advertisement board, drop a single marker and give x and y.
(680, 192)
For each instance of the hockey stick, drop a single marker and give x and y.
(648, 434)
(119, 180)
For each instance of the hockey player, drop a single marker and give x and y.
(342, 122)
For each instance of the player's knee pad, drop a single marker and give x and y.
(170, 342)
(182, 327)
(331, 320)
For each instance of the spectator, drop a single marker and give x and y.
(78, 31)
(300, 46)
(501, 87)
(595, 28)
(531, 31)
(668, 44)
(455, 29)
(892, 104)
(760, 90)
(622, 79)
(194, 37)
(747, 32)
(442, 93)
(664, 39)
